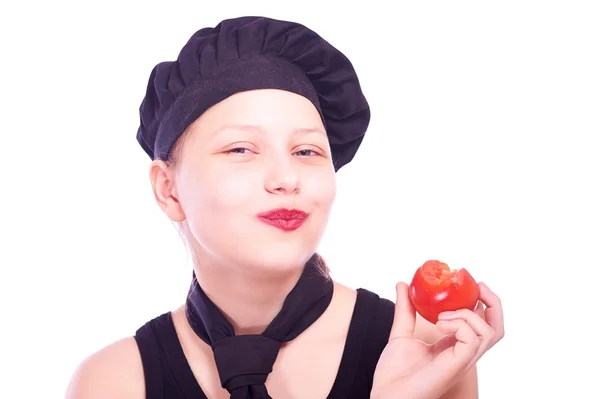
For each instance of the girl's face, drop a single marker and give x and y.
(254, 152)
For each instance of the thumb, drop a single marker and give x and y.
(404, 314)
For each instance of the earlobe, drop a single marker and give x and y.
(163, 187)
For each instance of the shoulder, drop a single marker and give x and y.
(363, 308)
(115, 371)
(378, 310)
(371, 323)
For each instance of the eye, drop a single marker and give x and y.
(306, 153)
(238, 150)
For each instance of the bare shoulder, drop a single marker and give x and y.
(345, 294)
(115, 371)
(343, 303)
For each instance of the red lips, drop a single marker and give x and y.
(284, 219)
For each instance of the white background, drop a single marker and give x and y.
(483, 152)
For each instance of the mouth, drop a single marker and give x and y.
(284, 219)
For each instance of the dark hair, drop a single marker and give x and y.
(172, 160)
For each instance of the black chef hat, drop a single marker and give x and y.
(253, 53)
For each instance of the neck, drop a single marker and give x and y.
(250, 300)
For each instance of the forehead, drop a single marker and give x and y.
(259, 112)
(262, 109)
(258, 129)
(266, 112)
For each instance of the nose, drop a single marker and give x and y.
(282, 178)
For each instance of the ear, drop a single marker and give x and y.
(162, 177)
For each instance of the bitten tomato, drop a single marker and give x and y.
(435, 289)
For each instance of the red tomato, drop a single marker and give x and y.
(435, 289)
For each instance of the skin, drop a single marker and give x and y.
(253, 152)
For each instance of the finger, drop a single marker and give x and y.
(476, 322)
(478, 325)
(464, 350)
(480, 310)
(442, 344)
(494, 314)
(404, 314)
(453, 354)
(452, 357)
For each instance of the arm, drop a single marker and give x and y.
(467, 387)
(115, 371)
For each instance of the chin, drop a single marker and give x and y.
(284, 261)
(275, 257)
(256, 250)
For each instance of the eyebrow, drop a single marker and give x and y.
(254, 128)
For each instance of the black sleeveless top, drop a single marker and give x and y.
(168, 375)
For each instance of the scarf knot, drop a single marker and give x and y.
(245, 360)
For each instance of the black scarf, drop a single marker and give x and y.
(245, 361)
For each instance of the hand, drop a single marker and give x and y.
(411, 369)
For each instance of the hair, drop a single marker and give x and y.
(173, 160)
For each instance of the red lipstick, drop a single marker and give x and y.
(284, 219)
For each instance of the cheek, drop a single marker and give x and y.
(322, 190)
(216, 196)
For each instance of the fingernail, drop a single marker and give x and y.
(445, 315)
